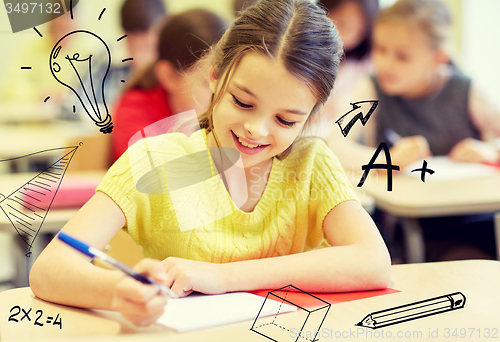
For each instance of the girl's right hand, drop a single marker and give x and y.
(140, 303)
(410, 149)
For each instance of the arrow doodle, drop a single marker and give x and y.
(364, 119)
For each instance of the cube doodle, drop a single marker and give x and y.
(303, 325)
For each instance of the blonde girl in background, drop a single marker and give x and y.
(166, 87)
(269, 74)
(354, 19)
(426, 107)
(434, 108)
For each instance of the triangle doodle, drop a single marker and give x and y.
(27, 207)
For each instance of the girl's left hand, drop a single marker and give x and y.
(185, 276)
(474, 151)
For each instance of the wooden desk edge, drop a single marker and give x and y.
(115, 327)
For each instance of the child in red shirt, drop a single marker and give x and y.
(166, 87)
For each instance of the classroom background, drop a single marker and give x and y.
(475, 51)
(475, 30)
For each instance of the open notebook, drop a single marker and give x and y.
(198, 311)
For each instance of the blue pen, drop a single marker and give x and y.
(391, 136)
(93, 252)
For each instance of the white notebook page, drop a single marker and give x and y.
(198, 311)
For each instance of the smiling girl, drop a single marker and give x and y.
(269, 74)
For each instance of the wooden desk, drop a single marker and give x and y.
(18, 140)
(410, 199)
(478, 280)
(54, 221)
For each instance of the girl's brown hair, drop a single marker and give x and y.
(296, 32)
(141, 15)
(183, 40)
(432, 17)
(370, 9)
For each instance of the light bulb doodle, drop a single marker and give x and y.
(64, 63)
(36, 30)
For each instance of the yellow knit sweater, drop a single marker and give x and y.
(300, 191)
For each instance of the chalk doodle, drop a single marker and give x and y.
(388, 166)
(423, 170)
(359, 116)
(27, 207)
(416, 310)
(37, 321)
(273, 328)
(89, 61)
(64, 63)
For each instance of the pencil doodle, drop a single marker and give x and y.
(388, 166)
(306, 328)
(359, 116)
(416, 310)
(27, 207)
(423, 170)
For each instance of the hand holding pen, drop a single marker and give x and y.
(140, 304)
(406, 150)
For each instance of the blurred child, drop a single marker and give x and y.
(433, 108)
(141, 20)
(22, 88)
(269, 74)
(426, 108)
(165, 88)
(354, 20)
